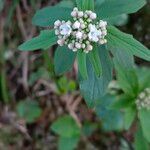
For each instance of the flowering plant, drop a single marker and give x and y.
(132, 97)
(91, 36)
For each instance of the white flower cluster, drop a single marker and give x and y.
(143, 100)
(82, 32)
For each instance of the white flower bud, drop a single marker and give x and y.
(76, 25)
(75, 9)
(85, 16)
(74, 14)
(83, 46)
(104, 32)
(89, 47)
(57, 32)
(82, 26)
(70, 46)
(84, 36)
(74, 50)
(61, 42)
(102, 41)
(102, 24)
(80, 14)
(93, 16)
(79, 35)
(78, 45)
(57, 23)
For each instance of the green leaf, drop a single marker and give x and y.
(111, 119)
(123, 58)
(126, 42)
(94, 88)
(144, 117)
(48, 15)
(119, 20)
(46, 39)
(95, 61)
(63, 60)
(127, 80)
(130, 114)
(79, 4)
(65, 126)
(29, 110)
(66, 3)
(68, 143)
(111, 8)
(143, 76)
(122, 101)
(140, 143)
(81, 57)
(85, 4)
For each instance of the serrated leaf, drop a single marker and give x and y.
(63, 60)
(111, 8)
(82, 68)
(95, 61)
(94, 88)
(126, 42)
(68, 143)
(130, 114)
(144, 116)
(140, 143)
(29, 110)
(46, 39)
(65, 126)
(111, 119)
(48, 15)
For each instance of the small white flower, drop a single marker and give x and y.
(65, 29)
(76, 25)
(94, 34)
(79, 35)
(93, 16)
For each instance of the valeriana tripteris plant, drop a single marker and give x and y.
(81, 31)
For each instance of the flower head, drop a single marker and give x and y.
(82, 33)
(143, 100)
